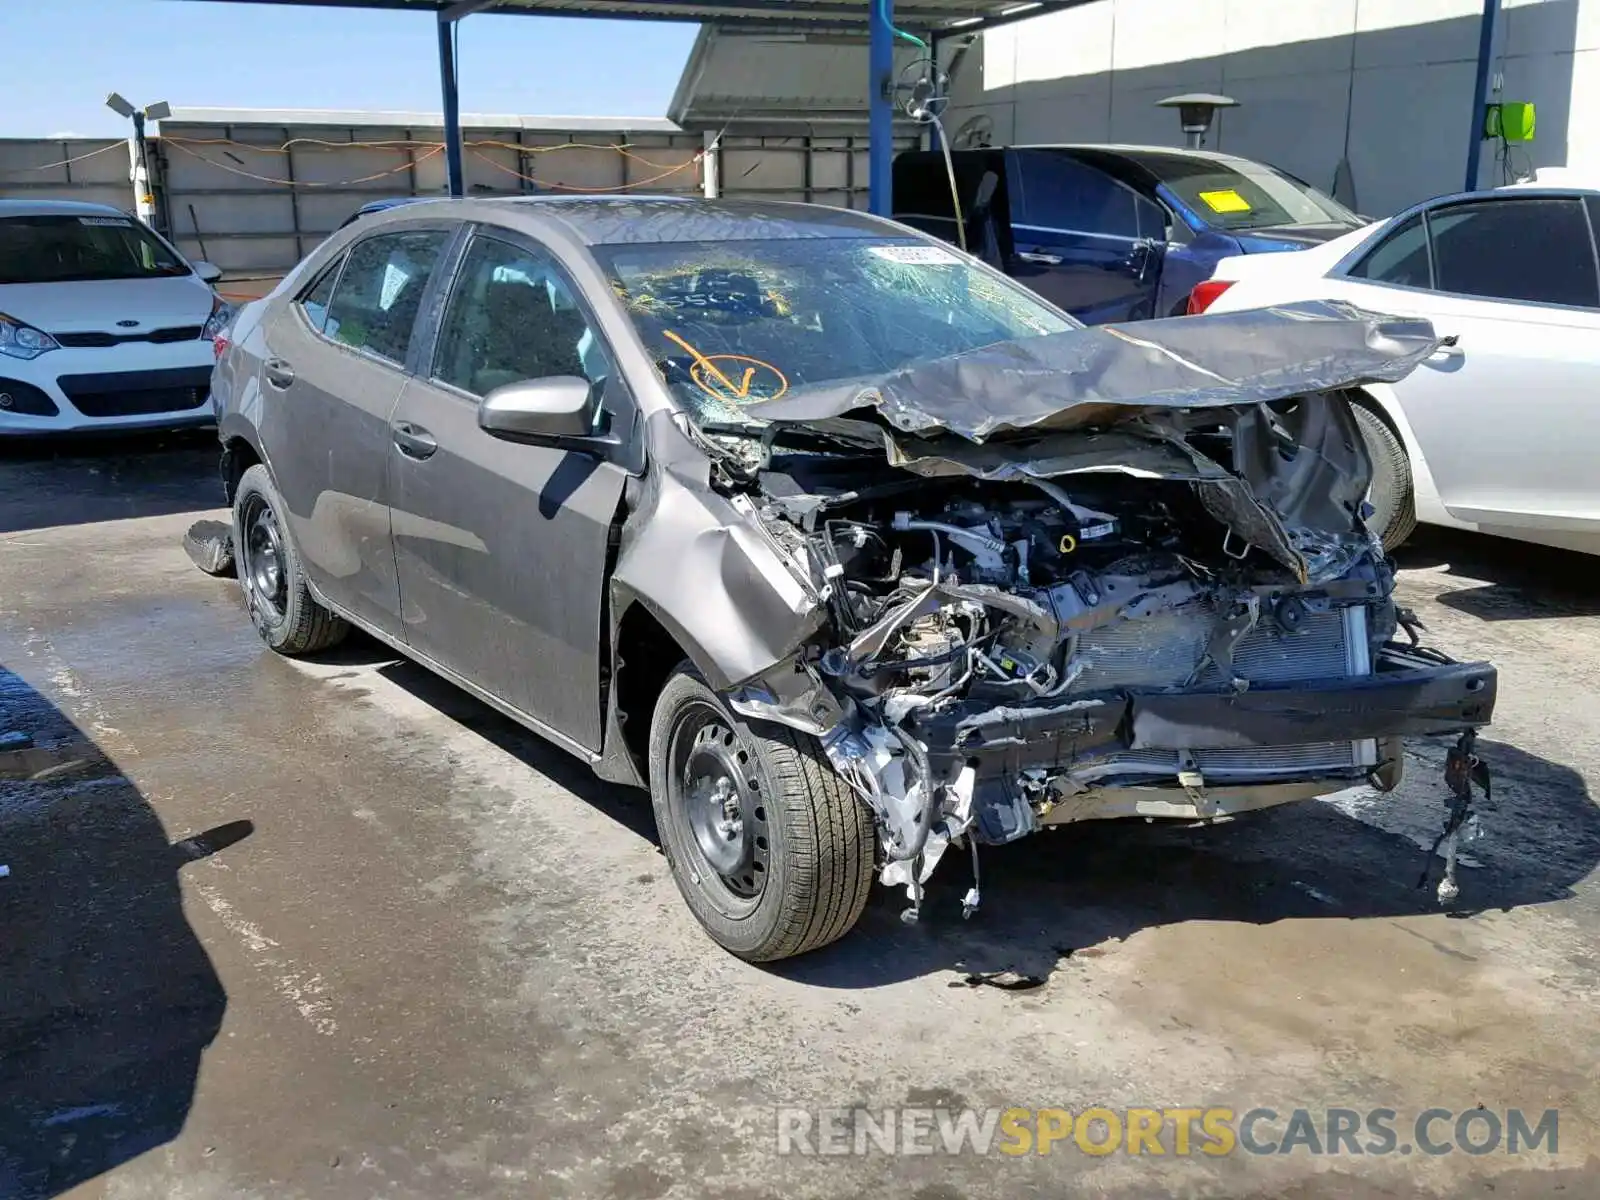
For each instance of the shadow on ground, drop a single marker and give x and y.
(1505, 580)
(107, 999)
(50, 482)
(1076, 889)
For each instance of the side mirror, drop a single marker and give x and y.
(556, 411)
(207, 272)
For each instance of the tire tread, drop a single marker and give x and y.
(1395, 515)
(308, 628)
(829, 836)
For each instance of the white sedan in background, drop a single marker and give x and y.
(1500, 431)
(103, 324)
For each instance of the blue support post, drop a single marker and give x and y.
(1480, 90)
(880, 109)
(452, 107)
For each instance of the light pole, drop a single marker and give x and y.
(144, 201)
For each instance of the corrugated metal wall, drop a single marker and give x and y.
(255, 198)
(92, 169)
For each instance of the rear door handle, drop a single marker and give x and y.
(279, 373)
(1036, 256)
(413, 441)
(1139, 257)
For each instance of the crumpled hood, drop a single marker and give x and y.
(1111, 372)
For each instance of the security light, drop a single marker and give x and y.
(159, 111)
(120, 106)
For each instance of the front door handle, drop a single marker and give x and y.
(1038, 256)
(1449, 348)
(413, 441)
(279, 373)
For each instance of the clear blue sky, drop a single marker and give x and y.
(63, 56)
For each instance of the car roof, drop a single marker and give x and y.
(1124, 148)
(57, 208)
(616, 220)
(372, 206)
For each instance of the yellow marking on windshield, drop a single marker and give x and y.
(715, 382)
(1226, 200)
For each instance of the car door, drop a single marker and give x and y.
(1504, 416)
(333, 368)
(502, 546)
(1083, 240)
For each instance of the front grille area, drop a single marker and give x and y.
(146, 403)
(138, 393)
(175, 333)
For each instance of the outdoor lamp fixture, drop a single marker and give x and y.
(1195, 113)
(144, 201)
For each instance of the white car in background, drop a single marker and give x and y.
(1498, 432)
(103, 324)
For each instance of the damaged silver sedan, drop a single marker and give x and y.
(847, 548)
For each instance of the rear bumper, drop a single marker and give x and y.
(1408, 696)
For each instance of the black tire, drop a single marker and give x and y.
(812, 835)
(280, 604)
(1392, 497)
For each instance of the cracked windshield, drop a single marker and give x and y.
(733, 325)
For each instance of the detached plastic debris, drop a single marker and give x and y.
(1462, 769)
(210, 545)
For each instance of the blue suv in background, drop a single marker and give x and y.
(1113, 233)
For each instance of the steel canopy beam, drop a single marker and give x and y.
(880, 108)
(452, 107)
(1480, 89)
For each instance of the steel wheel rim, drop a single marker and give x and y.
(265, 571)
(717, 800)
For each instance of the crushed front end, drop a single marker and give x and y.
(1173, 612)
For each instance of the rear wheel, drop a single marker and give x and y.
(1391, 495)
(281, 606)
(771, 849)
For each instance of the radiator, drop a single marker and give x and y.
(1164, 650)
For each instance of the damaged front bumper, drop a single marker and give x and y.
(1196, 753)
(993, 773)
(1406, 697)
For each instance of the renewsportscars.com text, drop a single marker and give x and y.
(1176, 1132)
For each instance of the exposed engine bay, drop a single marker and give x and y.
(1004, 656)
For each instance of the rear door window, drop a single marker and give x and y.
(1537, 249)
(1063, 195)
(314, 302)
(375, 303)
(1400, 257)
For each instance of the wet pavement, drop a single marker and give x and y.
(334, 929)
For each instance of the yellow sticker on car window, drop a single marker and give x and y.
(1226, 201)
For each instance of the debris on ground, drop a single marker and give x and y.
(210, 545)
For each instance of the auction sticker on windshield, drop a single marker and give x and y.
(1226, 201)
(916, 256)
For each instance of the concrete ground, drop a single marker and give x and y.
(333, 929)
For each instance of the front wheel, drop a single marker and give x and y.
(771, 849)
